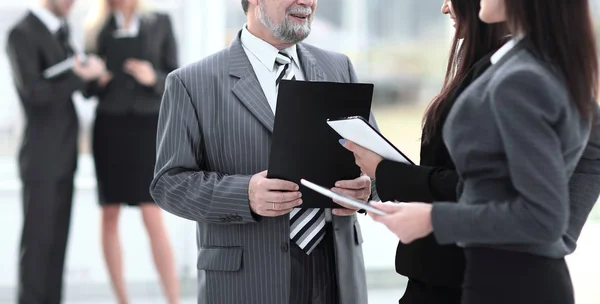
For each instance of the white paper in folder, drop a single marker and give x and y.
(358, 130)
(62, 67)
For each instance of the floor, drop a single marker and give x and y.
(381, 296)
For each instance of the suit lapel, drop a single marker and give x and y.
(309, 65)
(247, 89)
(146, 27)
(53, 49)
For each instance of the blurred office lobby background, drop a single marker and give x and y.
(400, 46)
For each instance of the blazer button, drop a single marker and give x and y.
(284, 247)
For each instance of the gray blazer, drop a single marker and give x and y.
(516, 164)
(214, 133)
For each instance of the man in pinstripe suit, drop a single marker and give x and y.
(216, 119)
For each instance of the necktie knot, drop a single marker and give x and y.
(283, 59)
(63, 38)
(284, 68)
(63, 33)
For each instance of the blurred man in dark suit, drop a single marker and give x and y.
(48, 154)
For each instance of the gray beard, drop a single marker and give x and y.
(285, 31)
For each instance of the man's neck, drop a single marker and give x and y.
(46, 5)
(259, 30)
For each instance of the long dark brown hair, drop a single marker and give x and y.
(478, 40)
(562, 32)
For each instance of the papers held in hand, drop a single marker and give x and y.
(342, 198)
(360, 132)
(59, 68)
(62, 67)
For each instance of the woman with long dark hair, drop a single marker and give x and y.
(516, 135)
(436, 272)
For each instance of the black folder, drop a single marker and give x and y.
(121, 49)
(304, 146)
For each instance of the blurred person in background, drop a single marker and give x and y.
(435, 272)
(48, 153)
(139, 48)
(524, 137)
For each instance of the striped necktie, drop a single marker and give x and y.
(307, 226)
(285, 71)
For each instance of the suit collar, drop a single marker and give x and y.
(309, 64)
(50, 21)
(52, 47)
(121, 31)
(248, 90)
(505, 49)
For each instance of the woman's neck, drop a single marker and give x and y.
(127, 15)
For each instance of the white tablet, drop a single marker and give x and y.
(356, 129)
(342, 198)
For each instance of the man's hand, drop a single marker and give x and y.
(92, 69)
(272, 197)
(141, 70)
(359, 189)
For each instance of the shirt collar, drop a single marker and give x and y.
(509, 45)
(51, 21)
(134, 26)
(265, 52)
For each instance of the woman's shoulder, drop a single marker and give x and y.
(527, 84)
(156, 16)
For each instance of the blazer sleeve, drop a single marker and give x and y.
(539, 211)
(169, 56)
(34, 89)
(411, 183)
(181, 184)
(584, 186)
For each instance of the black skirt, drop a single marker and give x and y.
(505, 277)
(418, 292)
(124, 148)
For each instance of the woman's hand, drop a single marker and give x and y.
(408, 221)
(366, 159)
(141, 70)
(105, 79)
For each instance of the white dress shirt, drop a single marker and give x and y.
(131, 31)
(51, 21)
(262, 57)
(505, 49)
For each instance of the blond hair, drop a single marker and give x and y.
(96, 18)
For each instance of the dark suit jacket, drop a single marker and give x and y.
(49, 148)
(158, 47)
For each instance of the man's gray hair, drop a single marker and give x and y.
(245, 6)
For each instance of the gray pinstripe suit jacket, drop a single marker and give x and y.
(214, 133)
